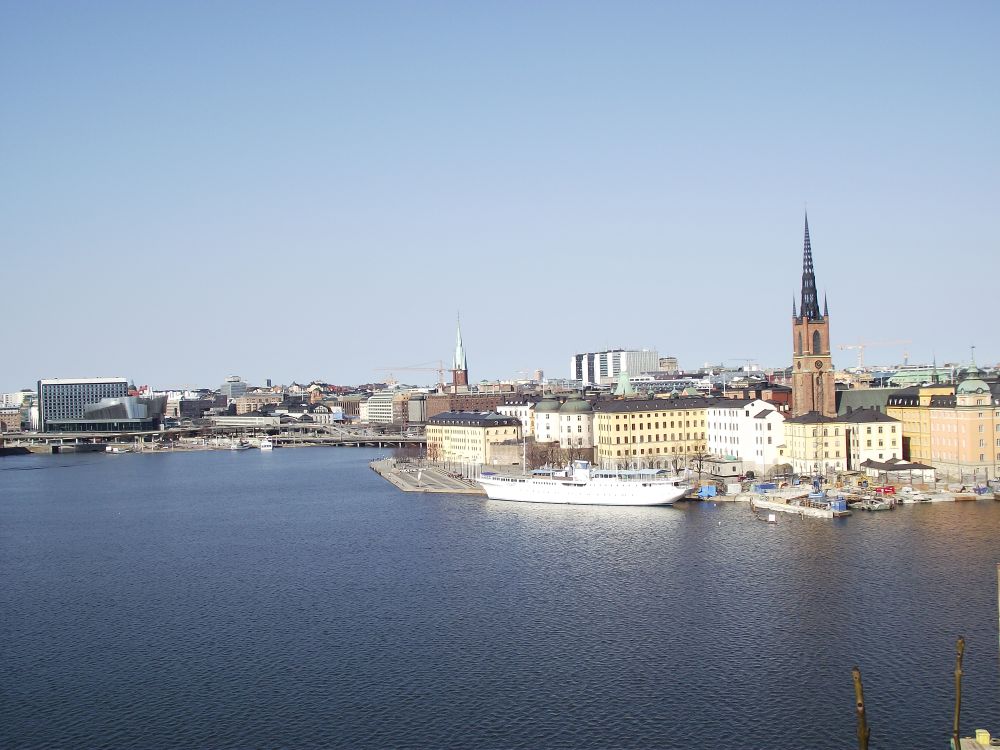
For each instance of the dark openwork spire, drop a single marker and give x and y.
(810, 302)
(826, 307)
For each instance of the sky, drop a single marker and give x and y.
(315, 190)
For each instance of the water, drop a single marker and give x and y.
(295, 599)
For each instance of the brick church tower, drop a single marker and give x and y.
(813, 388)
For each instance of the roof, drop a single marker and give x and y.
(655, 404)
(866, 415)
(474, 419)
(575, 406)
(733, 403)
(546, 405)
(894, 464)
(763, 414)
(810, 417)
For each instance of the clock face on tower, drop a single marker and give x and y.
(819, 365)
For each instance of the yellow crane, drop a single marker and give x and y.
(862, 345)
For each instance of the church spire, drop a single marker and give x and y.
(810, 303)
(460, 362)
(826, 307)
(794, 312)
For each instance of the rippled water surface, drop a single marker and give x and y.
(295, 599)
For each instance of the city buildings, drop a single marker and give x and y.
(10, 418)
(234, 387)
(61, 401)
(470, 437)
(388, 407)
(95, 405)
(656, 433)
(569, 422)
(523, 410)
(748, 429)
(438, 403)
(595, 368)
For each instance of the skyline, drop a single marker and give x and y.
(314, 191)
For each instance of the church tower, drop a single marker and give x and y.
(813, 387)
(459, 368)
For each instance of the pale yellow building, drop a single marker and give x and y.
(871, 436)
(815, 444)
(821, 445)
(912, 407)
(470, 437)
(254, 401)
(665, 433)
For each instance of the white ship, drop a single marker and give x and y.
(583, 485)
(266, 444)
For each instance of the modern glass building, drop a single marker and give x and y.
(95, 405)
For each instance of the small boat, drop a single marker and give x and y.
(240, 445)
(266, 444)
(872, 504)
(909, 495)
(117, 449)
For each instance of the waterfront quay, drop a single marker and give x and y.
(422, 477)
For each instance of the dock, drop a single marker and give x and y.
(411, 477)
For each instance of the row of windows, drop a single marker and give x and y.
(642, 451)
(651, 425)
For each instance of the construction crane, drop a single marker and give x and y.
(422, 367)
(862, 345)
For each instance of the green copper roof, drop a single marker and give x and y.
(624, 387)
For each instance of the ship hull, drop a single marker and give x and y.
(593, 492)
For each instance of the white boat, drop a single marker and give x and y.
(117, 449)
(240, 445)
(580, 484)
(266, 444)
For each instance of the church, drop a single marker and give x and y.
(817, 441)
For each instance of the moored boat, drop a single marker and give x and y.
(266, 444)
(240, 445)
(581, 484)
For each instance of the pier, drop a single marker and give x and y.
(418, 477)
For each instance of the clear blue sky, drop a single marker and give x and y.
(313, 190)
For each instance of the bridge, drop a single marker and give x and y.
(287, 435)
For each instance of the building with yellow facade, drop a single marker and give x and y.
(817, 445)
(655, 433)
(470, 437)
(912, 407)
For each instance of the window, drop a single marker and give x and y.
(816, 342)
